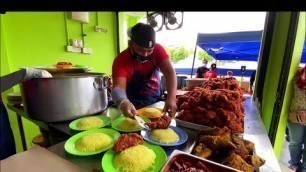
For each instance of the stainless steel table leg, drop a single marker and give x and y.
(22, 136)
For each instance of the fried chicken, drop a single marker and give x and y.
(202, 151)
(222, 146)
(217, 142)
(127, 140)
(213, 105)
(162, 123)
(235, 161)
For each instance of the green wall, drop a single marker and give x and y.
(39, 39)
(127, 20)
(5, 68)
(274, 66)
(296, 58)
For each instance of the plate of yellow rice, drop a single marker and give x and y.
(145, 157)
(90, 122)
(150, 112)
(91, 142)
(172, 136)
(127, 125)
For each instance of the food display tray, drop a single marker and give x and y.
(177, 153)
(190, 125)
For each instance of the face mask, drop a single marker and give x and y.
(204, 64)
(140, 58)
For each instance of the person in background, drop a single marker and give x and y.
(297, 123)
(202, 69)
(211, 73)
(229, 74)
(252, 79)
(136, 73)
(7, 142)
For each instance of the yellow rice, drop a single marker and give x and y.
(135, 159)
(129, 124)
(90, 122)
(92, 142)
(164, 135)
(150, 112)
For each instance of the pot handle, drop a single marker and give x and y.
(101, 83)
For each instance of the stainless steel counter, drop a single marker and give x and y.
(93, 163)
(253, 130)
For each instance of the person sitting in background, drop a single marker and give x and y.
(7, 142)
(211, 73)
(202, 69)
(297, 123)
(229, 74)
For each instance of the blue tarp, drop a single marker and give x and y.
(240, 46)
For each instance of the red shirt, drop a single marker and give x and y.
(124, 64)
(210, 74)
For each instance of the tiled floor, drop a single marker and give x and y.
(284, 158)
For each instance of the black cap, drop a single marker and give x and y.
(143, 35)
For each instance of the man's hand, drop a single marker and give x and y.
(170, 107)
(127, 108)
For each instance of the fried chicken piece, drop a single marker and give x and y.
(162, 123)
(186, 115)
(235, 161)
(216, 131)
(240, 150)
(202, 151)
(253, 160)
(257, 161)
(217, 142)
(127, 140)
(249, 145)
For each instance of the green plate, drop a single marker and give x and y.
(115, 124)
(160, 160)
(106, 120)
(70, 143)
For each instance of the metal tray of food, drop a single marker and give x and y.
(181, 161)
(190, 125)
(239, 142)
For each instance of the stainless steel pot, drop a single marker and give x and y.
(65, 96)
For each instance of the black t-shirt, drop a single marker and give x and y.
(201, 70)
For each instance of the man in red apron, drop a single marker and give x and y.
(136, 73)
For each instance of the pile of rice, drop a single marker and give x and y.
(164, 135)
(90, 122)
(151, 113)
(129, 124)
(135, 159)
(92, 142)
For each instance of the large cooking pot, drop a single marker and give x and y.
(65, 96)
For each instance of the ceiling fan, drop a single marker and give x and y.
(172, 20)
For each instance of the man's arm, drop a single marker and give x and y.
(11, 79)
(119, 83)
(120, 98)
(171, 85)
(17, 77)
